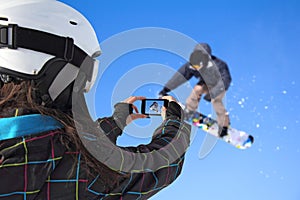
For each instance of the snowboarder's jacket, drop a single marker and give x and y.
(35, 165)
(220, 81)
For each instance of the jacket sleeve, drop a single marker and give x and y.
(113, 126)
(170, 130)
(110, 128)
(146, 183)
(183, 74)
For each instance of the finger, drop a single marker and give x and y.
(137, 98)
(132, 117)
(129, 99)
(163, 113)
(134, 98)
(138, 116)
(135, 108)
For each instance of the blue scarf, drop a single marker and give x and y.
(26, 125)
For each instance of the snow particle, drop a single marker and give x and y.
(284, 92)
(267, 176)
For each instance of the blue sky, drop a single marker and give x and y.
(260, 42)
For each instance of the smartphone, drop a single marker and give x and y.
(153, 106)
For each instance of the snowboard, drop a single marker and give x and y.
(237, 138)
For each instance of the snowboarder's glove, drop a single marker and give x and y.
(164, 92)
(122, 111)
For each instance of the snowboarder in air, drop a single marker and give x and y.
(154, 107)
(214, 80)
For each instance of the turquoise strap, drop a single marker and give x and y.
(26, 125)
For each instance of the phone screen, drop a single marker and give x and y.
(153, 106)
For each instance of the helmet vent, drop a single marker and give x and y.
(3, 19)
(73, 23)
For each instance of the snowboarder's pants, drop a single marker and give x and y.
(193, 101)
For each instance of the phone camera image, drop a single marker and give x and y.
(153, 106)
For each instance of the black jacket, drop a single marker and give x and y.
(217, 78)
(40, 167)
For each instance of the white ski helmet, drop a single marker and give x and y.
(47, 41)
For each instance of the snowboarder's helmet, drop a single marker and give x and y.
(47, 41)
(202, 46)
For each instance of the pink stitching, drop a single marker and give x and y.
(2, 159)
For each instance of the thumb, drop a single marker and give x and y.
(135, 116)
